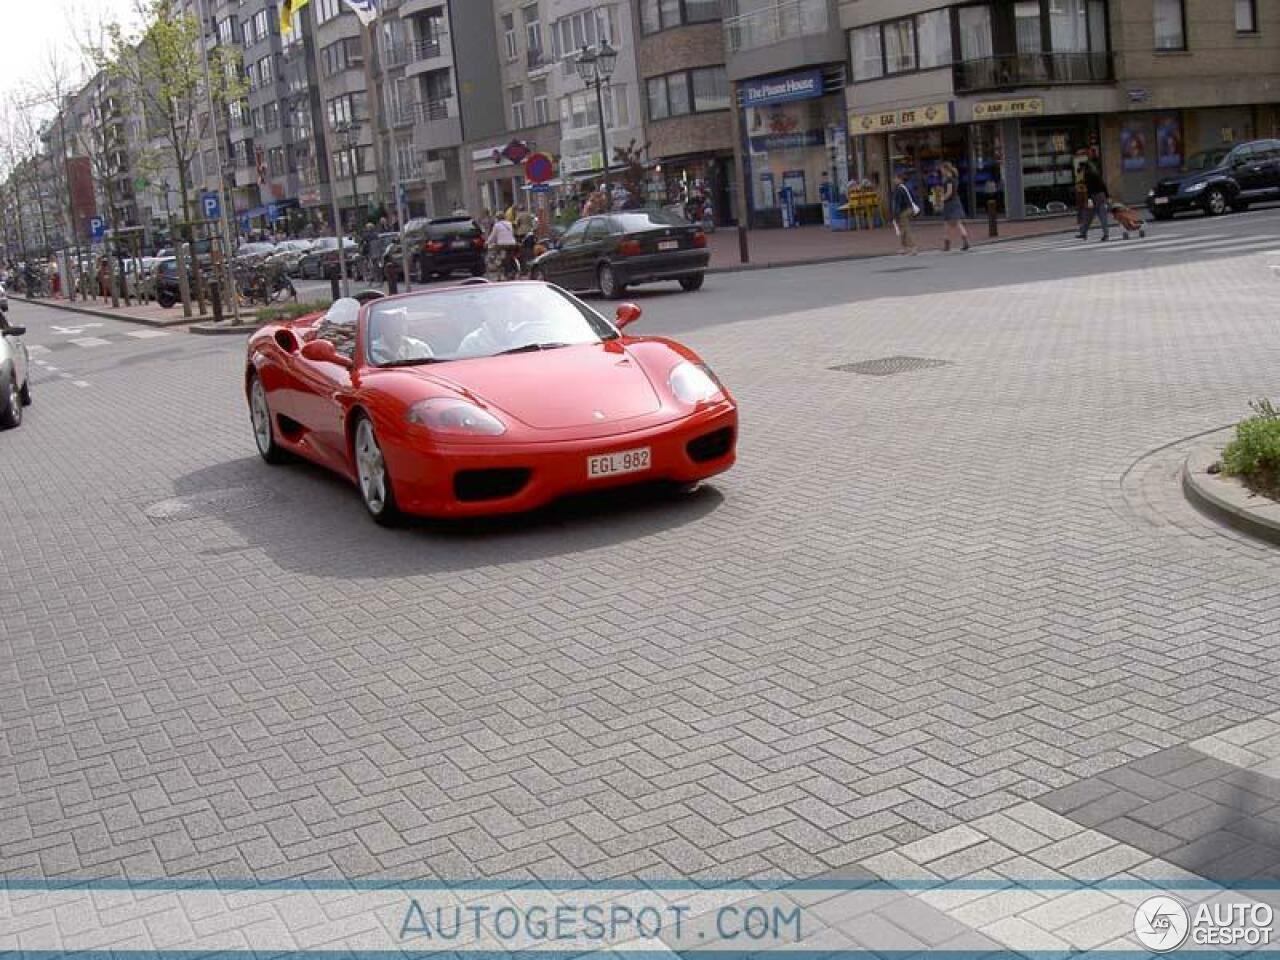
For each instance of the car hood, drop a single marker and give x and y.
(606, 384)
(1184, 178)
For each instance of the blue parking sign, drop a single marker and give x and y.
(212, 206)
(97, 228)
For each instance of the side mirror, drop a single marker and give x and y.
(628, 313)
(14, 331)
(323, 351)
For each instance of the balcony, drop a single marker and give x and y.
(393, 57)
(778, 21)
(428, 49)
(1032, 70)
(436, 123)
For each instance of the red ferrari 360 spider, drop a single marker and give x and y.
(484, 398)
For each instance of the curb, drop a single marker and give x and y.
(1229, 501)
(846, 257)
(223, 329)
(108, 315)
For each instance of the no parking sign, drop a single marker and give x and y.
(539, 168)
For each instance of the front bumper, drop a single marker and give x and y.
(424, 481)
(661, 266)
(1175, 203)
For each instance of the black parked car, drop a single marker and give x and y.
(440, 247)
(613, 251)
(168, 290)
(1220, 179)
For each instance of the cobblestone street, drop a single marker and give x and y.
(955, 621)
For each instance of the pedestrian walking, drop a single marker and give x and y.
(902, 208)
(952, 208)
(1098, 198)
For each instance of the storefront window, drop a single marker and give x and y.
(868, 59)
(1049, 151)
(900, 45)
(975, 33)
(920, 154)
(787, 148)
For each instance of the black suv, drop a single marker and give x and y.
(1220, 179)
(440, 247)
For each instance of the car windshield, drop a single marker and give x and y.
(1205, 159)
(479, 321)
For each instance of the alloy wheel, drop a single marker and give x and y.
(371, 469)
(261, 415)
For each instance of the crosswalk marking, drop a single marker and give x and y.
(146, 334)
(90, 342)
(1209, 243)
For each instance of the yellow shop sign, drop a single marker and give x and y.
(999, 109)
(929, 115)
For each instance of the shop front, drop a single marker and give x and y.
(692, 181)
(793, 132)
(1051, 151)
(917, 141)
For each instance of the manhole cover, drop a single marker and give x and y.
(887, 366)
(207, 503)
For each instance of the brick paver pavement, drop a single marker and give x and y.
(920, 603)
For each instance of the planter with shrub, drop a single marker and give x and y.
(1253, 455)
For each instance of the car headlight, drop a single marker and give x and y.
(693, 383)
(1194, 187)
(457, 416)
(1151, 193)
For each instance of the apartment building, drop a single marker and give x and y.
(685, 91)
(531, 84)
(1018, 94)
(788, 62)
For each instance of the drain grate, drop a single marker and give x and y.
(207, 503)
(888, 366)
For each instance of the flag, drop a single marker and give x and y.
(366, 10)
(287, 9)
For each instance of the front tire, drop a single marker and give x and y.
(264, 431)
(166, 300)
(25, 394)
(610, 287)
(11, 412)
(690, 284)
(372, 476)
(1215, 202)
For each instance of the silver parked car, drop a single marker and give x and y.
(15, 368)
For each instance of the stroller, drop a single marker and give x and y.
(1128, 219)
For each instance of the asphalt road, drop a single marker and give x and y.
(922, 603)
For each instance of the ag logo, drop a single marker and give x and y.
(1161, 924)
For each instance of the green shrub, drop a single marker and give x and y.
(1254, 454)
(288, 311)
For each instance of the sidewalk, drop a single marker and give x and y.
(781, 248)
(148, 314)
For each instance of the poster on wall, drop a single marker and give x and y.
(1133, 149)
(1168, 141)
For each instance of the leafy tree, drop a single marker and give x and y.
(161, 64)
(631, 159)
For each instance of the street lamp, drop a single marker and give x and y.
(595, 67)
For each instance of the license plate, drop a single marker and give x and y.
(1160, 200)
(668, 244)
(460, 244)
(613, 464)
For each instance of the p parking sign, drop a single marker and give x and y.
(211, 205)
(97, 228)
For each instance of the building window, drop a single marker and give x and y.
(532, 28)
(350, 108)
(868, 58)
(710, 89)
(342, 55)
(583, 29)
(270, 116)
(900, 46)
(658, 15)
(933, 39)
(275, 161)
(541, 104)
(226, 31)
(1171, 25)
(326, 10)
(697, 91)
(975, 32)
(509, 36)
(262, 24)
(517, 107)
(1246, 16)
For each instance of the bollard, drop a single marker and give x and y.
(334, 290)
(744, 253)
(992, 229)
(215, 296)
(389, 273)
